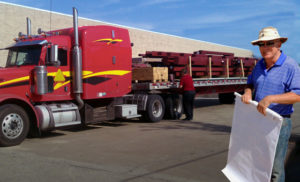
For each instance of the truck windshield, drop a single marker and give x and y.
(27, 55)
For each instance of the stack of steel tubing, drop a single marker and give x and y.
(204, 64)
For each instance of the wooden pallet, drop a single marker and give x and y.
(151, 81)
(152, 74)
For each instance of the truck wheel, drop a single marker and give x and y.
(226, 98)
(14, 125)
(155, 109)
(173, 106)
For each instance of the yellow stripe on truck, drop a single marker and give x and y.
(109, 41)
(25, 78)
(85, 74)
(68, 74)
(111, 72)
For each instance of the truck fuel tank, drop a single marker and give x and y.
(40, 80)
(57, 115)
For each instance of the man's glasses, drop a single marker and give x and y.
(268, 43)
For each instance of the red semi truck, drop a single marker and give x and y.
(83, 76)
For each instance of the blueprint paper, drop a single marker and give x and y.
(253, 142)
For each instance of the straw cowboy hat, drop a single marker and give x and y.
(268, 33)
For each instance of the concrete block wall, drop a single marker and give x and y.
(13, 21)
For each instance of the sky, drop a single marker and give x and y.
(229, 22)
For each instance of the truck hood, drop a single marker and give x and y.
(10, 77)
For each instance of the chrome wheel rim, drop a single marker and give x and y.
(157, 109)
(12, 126)
(178, 106)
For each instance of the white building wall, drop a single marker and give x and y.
(13, 21)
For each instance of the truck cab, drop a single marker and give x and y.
(61, 78)
(106, 62)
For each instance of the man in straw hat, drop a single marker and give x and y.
(275, 82)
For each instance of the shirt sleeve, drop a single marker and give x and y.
(249, 80)
(294, 81)
(181, 82)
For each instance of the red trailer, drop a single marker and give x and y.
(84, 75)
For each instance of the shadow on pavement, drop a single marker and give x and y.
(206, 102)
(199, 102)
(78, 128)
(50, 134)
(135, 178)
(189, 125)
(94, 126)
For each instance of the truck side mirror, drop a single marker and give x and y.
(54, 54)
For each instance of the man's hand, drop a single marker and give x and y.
(264, 104)
(247, 96)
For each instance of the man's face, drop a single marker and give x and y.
(269, 49)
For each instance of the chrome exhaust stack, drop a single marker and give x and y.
(77, 63)
(28, 26)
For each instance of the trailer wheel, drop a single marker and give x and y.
(173, 106)
(155, 108)
(226, 98)
(14, 125)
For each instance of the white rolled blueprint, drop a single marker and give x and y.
(253, 142)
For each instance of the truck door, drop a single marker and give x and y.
(58, 76)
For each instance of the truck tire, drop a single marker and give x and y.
(174, 106)
(155, 108)
(226, 98)
(14, 125)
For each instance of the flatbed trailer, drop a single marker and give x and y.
(170, 101)
(198, 84)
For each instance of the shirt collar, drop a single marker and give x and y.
(279, 61)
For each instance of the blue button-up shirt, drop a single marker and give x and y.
(283, 77)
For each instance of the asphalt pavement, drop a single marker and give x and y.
(132, 151)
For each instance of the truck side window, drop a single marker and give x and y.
(62, 56)
(24, 56)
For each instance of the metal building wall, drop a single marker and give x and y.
(13, 21)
